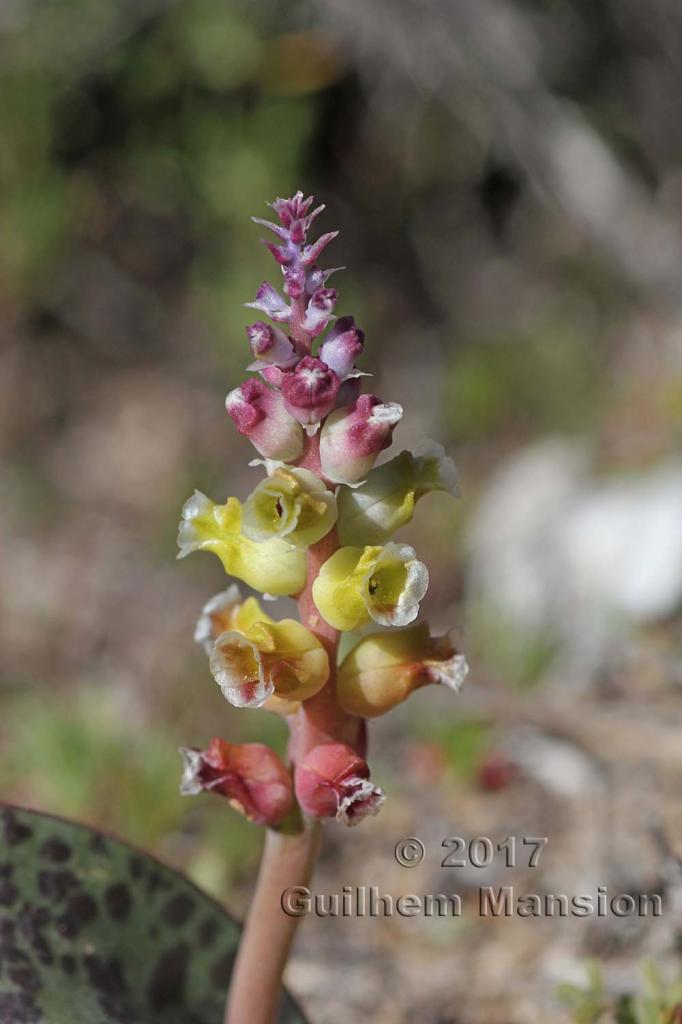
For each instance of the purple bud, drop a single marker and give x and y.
(284, 254)
(319, 310)
(311, 253)
(317, 278)
(352, 438)
(270, 302)
(294, 281)
(258, 413)
(310, 390)
(270, 346)
(281, 233)
(289, 210)
(342, 346)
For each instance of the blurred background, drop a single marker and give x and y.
(508, 181)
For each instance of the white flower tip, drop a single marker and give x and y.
(451, 673)
(387, 414)
(204, 632)
(190, 784)
(437, 468)
(196, 505)
(270, 465)
(188, 540)
(362, 799)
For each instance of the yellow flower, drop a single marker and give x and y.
(356, 585)
(280, 658)
(291, 504)
(271, 566)
(383, 669)
(372, 512)
(227, 610)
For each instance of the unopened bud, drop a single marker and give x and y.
(250, 775)
(270, 347)
(270, 302)
(319, 310)
(342, 346)
(352, 437)
(332, 781)
(310, 391)
(258, 413)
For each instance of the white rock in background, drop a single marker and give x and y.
(554, 548)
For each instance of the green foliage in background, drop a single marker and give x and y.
(660, 1002)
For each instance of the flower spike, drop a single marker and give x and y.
(318, 526)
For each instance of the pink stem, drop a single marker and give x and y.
(289, 858)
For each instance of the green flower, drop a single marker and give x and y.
(293, 505)
(372, 513)
(357, 585)
(271, 566)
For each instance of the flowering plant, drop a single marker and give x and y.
(318, 526)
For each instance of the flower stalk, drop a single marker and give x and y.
(319, 527)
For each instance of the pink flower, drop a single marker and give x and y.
(270, 302)
(270, 347)
(250, 775)
(258, 413)
(319, 310)
(353, 436)
(333, 781)
(342, 346)
(310, 390)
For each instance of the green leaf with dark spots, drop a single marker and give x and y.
(93, 931)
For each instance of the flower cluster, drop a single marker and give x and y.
(318, 526)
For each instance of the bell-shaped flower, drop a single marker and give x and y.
(332, 781)
(342, 346)
(382, 670)
(270, 347)
(258, 413)
(269, 301)
(282, 658)
(271, 566)
(372, 512)
(227, 610)
(319, 310)
(310, 391)
(357, 585)
(251, 775)
(292, 504)
(352, 438)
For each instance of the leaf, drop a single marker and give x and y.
(93, 931)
